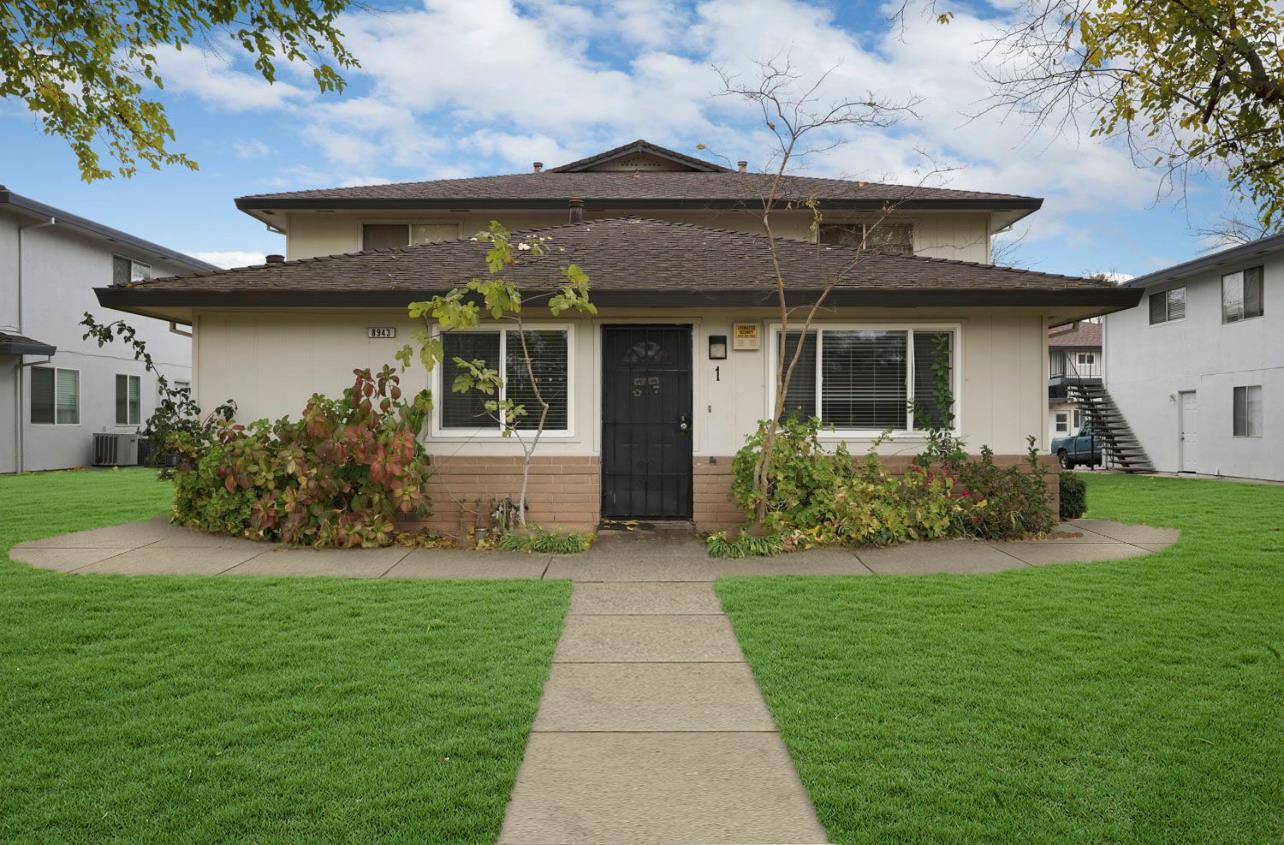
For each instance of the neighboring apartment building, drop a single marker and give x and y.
(1074, 353)
(57, 389)
(1198, 367)
(651, 397)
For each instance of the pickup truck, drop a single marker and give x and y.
(1083, 448)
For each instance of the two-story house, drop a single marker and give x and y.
(1074, 354)
(652, 396)
(1198, 366)
(56, 388)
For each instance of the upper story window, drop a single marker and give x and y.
(868, 379)
(1242, 295)
(129, 399)
(1167, 305)
(125, 271)
(1247, 411)
(549, 351)
(883, 236)
(55, 396)
(389, 235)
(1085, 359)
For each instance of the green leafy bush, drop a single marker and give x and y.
(745, 545)
(1074, 495)
(819, 496)
(547, 542)
(337, 477)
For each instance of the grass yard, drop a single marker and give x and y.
(1132, 702)
(217, 710)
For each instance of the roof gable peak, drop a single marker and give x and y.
(640, 155)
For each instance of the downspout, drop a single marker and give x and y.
(19, 381)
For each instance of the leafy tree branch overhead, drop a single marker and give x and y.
(86, 68)
(1188, 83)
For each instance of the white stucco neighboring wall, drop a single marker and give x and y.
(271, 362)
(1148, 366)
(963, 236)
(60, 267)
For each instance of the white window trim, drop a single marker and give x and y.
(80, 415)
(773, 344)
(361, 224)
(440, 388)
(140, 401)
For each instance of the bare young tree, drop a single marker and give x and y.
(802, 125)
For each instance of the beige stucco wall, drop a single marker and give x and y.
(271, 362)
(958, 235)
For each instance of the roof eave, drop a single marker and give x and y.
(1112, 299)
(253, 204)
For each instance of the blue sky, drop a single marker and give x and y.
(473, 87)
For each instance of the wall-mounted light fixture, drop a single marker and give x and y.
(717, 347)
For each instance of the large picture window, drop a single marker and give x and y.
(870, 379)
(550, 363)
(55, 396)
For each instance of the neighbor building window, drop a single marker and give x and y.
(1248, 411)
(549, 351)
(883, 236)
(1062, 422)
(55, 396)
(1167, 305)
(125, 271)
(1242, 295)
(390, 235)
(129, 400)
(869, 379)
(1085, 359)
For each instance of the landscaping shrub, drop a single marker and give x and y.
(337, 477)
(547, 542)
(818, 496)
(1074, 495)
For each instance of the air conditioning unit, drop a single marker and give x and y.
(115, 450)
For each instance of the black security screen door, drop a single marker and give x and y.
(646, 422)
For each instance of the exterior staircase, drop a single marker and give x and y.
(1119, 446)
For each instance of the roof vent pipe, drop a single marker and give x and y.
(742, 166)
(274, 259)
(577, 210)
(539, 166)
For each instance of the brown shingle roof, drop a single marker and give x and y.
(630, 260)
(16, 344)
(1083, 335)
(704, 183)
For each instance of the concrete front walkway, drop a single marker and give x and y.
(155, 547)
(651, 728)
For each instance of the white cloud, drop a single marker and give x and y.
(214, 79)
(252, 149)
(229, 258)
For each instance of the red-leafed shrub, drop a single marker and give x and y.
(338, 476)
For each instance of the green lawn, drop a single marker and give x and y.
(1132, 702)
(219, 710)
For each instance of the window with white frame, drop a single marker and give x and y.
(129, 399)
(869, 379)
(1085, 359)
(1077, 419)
(881, 236)
(1242, 295)
(389, 235)
(1062, 424)
(125, 271)
(1167, 305)
(549, 351)
(55, 396)
(1247, 415)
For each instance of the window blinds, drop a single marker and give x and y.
(467, 410)
(67, 398)
(800, 398)
(864, 379)
(549, 363)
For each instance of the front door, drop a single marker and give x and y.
(1186, 408)
(646, 422)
